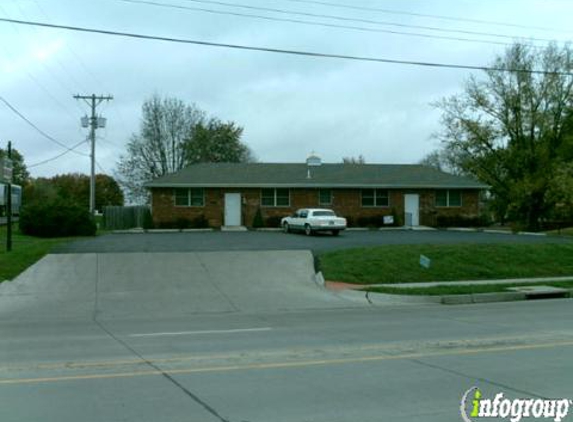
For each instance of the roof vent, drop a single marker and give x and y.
(313, 160)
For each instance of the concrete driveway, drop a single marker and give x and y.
(162, 285)
(245, 241)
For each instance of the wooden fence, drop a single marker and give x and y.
(122, 218)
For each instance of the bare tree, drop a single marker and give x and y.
(354, 160)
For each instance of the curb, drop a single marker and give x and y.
(319, 279)
(268, 229)
(482, 298)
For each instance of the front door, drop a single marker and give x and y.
(412, 209)
(232, 209)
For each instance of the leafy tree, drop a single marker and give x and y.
(215, 141)
(509, 129)
(73, 188)
(172, 136)
(20, 173)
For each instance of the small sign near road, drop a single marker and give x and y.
(425, 261)
(5, 170)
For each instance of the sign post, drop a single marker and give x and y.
(7, 177)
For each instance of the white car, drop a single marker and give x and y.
(311, 220)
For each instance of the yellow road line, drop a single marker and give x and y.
(280, 365)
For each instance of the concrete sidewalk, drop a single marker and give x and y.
(477, 282)
(337, 286)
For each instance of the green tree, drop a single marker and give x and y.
(20, 173)
(172, 136)
(73, 188)
(509, 129)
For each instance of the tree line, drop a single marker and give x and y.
(513, 130)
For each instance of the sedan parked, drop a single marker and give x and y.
(312, 220)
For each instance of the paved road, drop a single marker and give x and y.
(217, 241)
(379, 364)
(211, 336)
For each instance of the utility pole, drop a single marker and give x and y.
(9, 203)
(94, 122)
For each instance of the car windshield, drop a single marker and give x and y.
(324, 214)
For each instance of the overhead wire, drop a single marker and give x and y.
(345, 18)
(85, 67)
(57, 156)
(315, 23)
(281, 50)
(40, 131)
(428, 15)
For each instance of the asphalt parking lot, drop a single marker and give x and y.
(253, 240)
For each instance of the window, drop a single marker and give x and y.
(324, 196)
(323, 214)
(182, 197)
(448, 198)
(375, 198)
(197, 197)
(441, 198)
(275, 197)
(268, 197)
(283, 197)
(189, 197)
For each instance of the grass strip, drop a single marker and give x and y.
(400, 263)
(26, 250)
(461, 290)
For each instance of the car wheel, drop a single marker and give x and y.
(335, 232)
(307, 230)
(286, 228)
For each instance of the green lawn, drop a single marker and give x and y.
(26, 250)
(568, 231)
(400, 263)
(460, 290)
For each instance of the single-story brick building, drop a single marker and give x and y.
(230, 194)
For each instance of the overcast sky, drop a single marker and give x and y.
(288, 105)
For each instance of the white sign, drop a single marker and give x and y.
(388, 219)
(425, 261)
(5, 170)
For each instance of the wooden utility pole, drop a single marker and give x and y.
(94, 122)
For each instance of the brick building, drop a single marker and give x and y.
(230, 194)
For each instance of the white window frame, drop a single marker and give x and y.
(375, 198)
(448, 205)
(275, 205)
(330, 197)
(189, 205)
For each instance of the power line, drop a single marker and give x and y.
(282, 51)
(40, 131)
(58, 156)
(314, 23)
(343, 18)
(427, 15)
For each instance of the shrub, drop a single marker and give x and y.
(462, 221)
(200, 222)
(147, 220)
(56, 219)
(274, 221)
(371, 221)
(258, 219)
(182, 223)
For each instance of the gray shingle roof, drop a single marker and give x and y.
(326, 175)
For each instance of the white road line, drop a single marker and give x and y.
(191, 333)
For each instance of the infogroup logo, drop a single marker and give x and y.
(474, 407)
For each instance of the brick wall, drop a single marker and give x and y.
(345, 202)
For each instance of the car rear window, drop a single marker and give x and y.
(324, 214)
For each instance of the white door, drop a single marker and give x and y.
(232, 209)
(412, 209)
